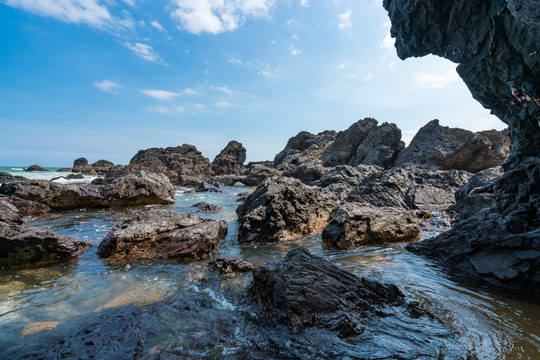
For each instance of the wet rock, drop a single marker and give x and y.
(230, 264)
(303, 290)
(23, 246)
(35, 168)
(75, 176)
(351, 175)
(137, 189)
(283, 207)
(230, 160)
(361, 224)
(307, 171)
(207, 187)
(6, 177)
(184, 165)
(9, 213)
(159, 234)
(65, 170)
(26, 207)
(79, 163)
(444, 148)
(206, 208)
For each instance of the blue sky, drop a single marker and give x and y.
(105, 78)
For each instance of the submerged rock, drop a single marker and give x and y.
(23, 246)
(360, 224)
(303, 290)
(206, 208)
(207, 187)
(141, 188)
(283, 207)
(230, 264)
(230, 160)
(159, 234)
(35, 168)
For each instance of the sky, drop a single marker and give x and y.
(105, 78)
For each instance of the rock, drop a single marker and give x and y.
(303, 290)
(75, 176)
(498, 58)
(444, 148)
(160, 234)
(283, 207)
(35, 168)
(206, 208)
(184, 165)
(258, 173)
(361, 224)
(380, 147)
(79, 163)
(307, 171)
(65, 170)
(24, 246)
(340, 190)
(346, 174)
(304, 142)
(241, 199)
(100, 167)
(9, 214)
(230, 264)
(26, 207)
(230, 160)
(207, 187)
(6, 177)
(137, 189)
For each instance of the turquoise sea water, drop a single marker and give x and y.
(47, 175)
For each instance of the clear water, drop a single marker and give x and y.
(482, 324)
(52, 173)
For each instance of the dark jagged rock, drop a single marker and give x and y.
(9, 213)
(35, 168)
(230, 264)
(499, 60)
(307, 171)
(230, 160)
(75, 177)
(100, 167)
(160, 234)
(26, 207)
(137, 189)
(79, 163)
(6, 177)
(380, 147)
(410, 188)
(283, 207)
(184, 165)
(206, 208)
(444, 148)
(207, 187)
(303, 290)
(255, 175)
(65, 170)
(23, 246)
(361, 224)
(303, 145)
(346, 174)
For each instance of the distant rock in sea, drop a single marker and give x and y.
(35, 168)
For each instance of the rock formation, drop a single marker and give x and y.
(159, 234)
(496, 44)
(444, 148)
(230, 265)
(35, 168)
(230, 160)
(100, 167)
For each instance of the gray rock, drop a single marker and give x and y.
(346, 174)
(9, 213)
(304, 145)
(26, 207)
(7, 177)
(307, 171)
(230, 160)
(381, 147)
(207, 187)
(361, 224)
(230, 265)
(206, 208)
(35, 168)
(283, 207)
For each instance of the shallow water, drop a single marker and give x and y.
(40, 302)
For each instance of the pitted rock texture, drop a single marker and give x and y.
(230, 160)
(100, 167)
(444, 148)
(159, 234)
(230, 265)
(284, 207)
(140, 188)
(303, 290)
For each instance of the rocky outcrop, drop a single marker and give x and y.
(9, 213)
(346, 174)
(444, 148)
(162, 234)
(6, 177)
(498, 58)
(137, 189)
(307, 171)
(206, 208)
(361, 224)
(23, 246)
(255, 175)
(183, 165)
(207, 187)
(26, 207)
(303, 291)
(230, 265)
(35, 168)
(230, 160)
(303, 146)
(100, 167)
(283, 207)
(80, 163)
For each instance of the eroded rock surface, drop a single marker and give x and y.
(230, 160)
(35, 168)
(230, 265)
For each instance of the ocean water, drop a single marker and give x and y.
(52, 173)
(42, 307)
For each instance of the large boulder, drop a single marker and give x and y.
(303, 291)
(7, 177)
(99, 167)
(137, 189)
(307, 171)
(230, 160)
(303, 145)
(184, 165)
(380, 147)
(159, 234)
(444, 148)
(9, 213)
(351, 175)
(283, 207)
(499, 61)
(35, 168)
(26, 207)
(23, 246)
(361, 224)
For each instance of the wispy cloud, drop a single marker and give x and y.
(345, 20)
(199, 16)
(169, 110)
(294, 51)
(189, 91)
(388, 41)
(436, 81)
(143, 51)
(129, 2)
(304, 2)
(108, 86)
(223, 89)
(223, 104)
(160, 94)
(156, 25)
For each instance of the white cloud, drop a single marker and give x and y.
(304, 2)
(294, 51)
(345, 19)
(144, 51)
(223, 104)
(235, 61)
(388, 41)
(129, 2)
(190, 92)
(223, 89)
(169, 110)
(107, 86)
(160, 94)
(217, 16)
(158, 26)
(439, 81)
